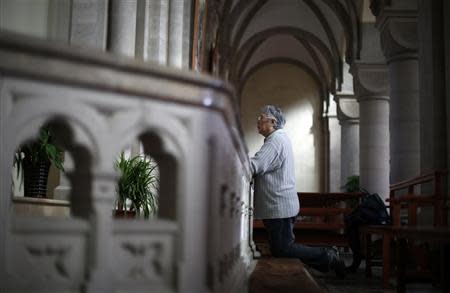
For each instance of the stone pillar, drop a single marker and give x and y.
(157, 27)
(59, 20)
(62, 191)
(122, 37)
(446, 36)
(371, 88)
(88, 27)
(188, 15)
(176, 33)
(348, 116)
(103, 194)
(397, 23)
(432, 86)
(334, 144)
(163, 31)
(122, 26)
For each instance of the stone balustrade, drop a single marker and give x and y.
(200, 241)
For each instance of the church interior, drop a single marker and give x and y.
(127, 128)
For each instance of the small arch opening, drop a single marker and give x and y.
(147, 181)
(138, 184)
(151, 191)
(52, 173)
(168, 170)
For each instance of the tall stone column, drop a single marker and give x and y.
(122, 37)
(397, 23)
(88, 26)
(122, 27)
(446, 36)
(175, 56)
(163, 31)
(59, 20)
(348, 116)
(157, 26)
(371, 88)
(180, 15)
(433, 147)
(334, 145)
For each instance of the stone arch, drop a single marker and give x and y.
(248, 18)
(254, 42)
(225, 31)
(331, 38)
(27, 115)
(301, 65)
(345, 15)
(79, 136)
(230, 19)
(163, 140)
(346, 22)
(354, 53)
(315, 58)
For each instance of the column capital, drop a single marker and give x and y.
(370, 80)
(347, 108)
(397, 22)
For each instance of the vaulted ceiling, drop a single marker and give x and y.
(319, 36)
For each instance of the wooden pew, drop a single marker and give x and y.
(439, 236)
(321, 219)
(412, 200)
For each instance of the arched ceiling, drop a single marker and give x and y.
(318, 35)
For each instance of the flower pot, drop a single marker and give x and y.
(35, 178)
(124, 214)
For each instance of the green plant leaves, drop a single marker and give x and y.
(41, 150)
(139, 182)
(352, 184)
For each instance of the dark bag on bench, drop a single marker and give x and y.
(371, 211)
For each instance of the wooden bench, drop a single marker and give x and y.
(274, 275)
(410, 201)
(321, 219)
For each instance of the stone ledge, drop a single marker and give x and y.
(274, 275)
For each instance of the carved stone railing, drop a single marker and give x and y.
(200, 240)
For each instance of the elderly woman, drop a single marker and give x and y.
(276, 201)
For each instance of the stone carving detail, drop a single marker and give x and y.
(376, 6)
(86, 30)
(235, 204)
(242, 208)
(399, 38)
(50, 260)
(370, 80)
(146, 258)
(397, 22)
(223, 204)
(232, 203)
(143, 252)
(227, 262)
(347, 108)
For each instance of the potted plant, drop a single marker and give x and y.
(35, 159)
(137, 186)
(352, 184)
